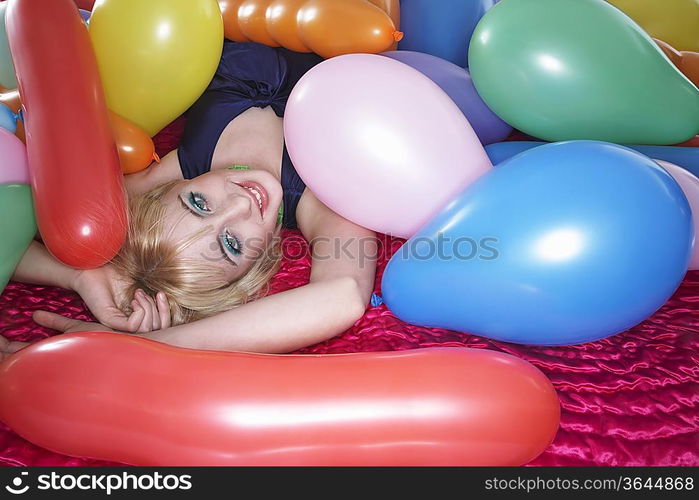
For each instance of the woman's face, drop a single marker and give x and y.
(241, 208)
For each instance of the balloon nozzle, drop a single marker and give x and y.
(397, 36)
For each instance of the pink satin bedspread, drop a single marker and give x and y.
(631, 399)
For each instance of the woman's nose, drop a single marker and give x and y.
(237, 206)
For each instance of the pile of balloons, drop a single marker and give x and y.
(559, 243)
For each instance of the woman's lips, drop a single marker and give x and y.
(257, 194)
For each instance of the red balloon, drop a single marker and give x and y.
(73, 163)
(691, 143)
(136, 401)
(85, 4)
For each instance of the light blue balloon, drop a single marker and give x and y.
(7, 67)
(442, 28)
(8, 120)
(567, 243)
(687, 158)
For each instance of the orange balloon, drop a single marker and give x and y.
(252, 19)
(282, 25)
(692, 143)
(134, 145)
(669, 50)
(392, 8)
(345, 26)
(231, 29)
(328, 28)
(127, 399)
(690, 66)
(10, 98)
(687, 62)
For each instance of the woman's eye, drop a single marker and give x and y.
(231, 243)
(198, 201)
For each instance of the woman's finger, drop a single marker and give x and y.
(147, 322)
(155, 325)
(53, 321)
(136, 317)
(163, 310)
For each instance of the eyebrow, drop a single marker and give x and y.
(188, 209)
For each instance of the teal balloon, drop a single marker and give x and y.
(17, 227)
(562, 244)
(7, 67)
(580, 69)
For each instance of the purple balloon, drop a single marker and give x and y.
(457, 83)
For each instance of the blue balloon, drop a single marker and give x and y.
(457, 83)
(8, 120)
(567, 243)
(85, 14)
(442, 28)
(687, 158)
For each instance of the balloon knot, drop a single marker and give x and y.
(397, 36)
(376, 300)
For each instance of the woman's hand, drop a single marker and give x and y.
(149, 314)
(102, 290)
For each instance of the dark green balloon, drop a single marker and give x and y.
(580, 69)
(17, 227)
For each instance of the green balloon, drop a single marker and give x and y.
(7, 68)
(17, 227)
(580, 69)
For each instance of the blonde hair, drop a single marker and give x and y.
(194, 289)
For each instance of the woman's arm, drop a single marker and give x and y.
(277, 323)
(39, 267)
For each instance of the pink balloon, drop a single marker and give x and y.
(690, 185)
(379, 142)
(13, 167)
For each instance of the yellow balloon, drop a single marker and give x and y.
(155, 57)
(673, 21)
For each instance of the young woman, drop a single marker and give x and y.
(204, 226)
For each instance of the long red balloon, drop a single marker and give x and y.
(123, 398)
(85, 4)
(73, 162)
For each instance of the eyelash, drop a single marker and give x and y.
(195, 200)
(234, 248)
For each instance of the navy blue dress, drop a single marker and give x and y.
(249, 75)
